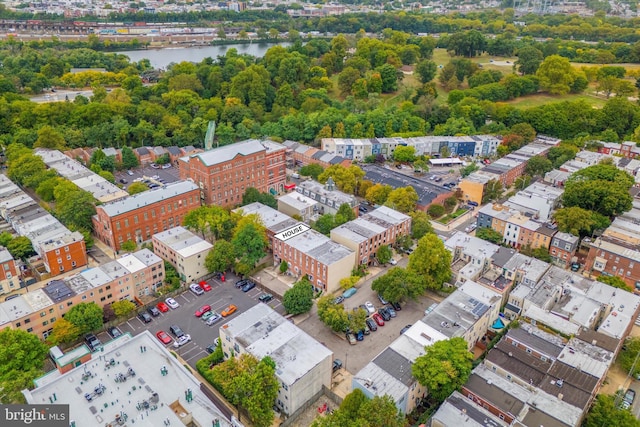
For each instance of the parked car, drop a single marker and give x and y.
(229, 310)
(123, 181)
(265, 298)
(378, 319)
(144, 316)
(405, 329)
(172, 303)
(153, 311)
(338, 300)
(166, 166)
(182, 341)
(474, 204)
(384, 313)
(391, 311)
(114, 332)
(430, 308)
(393, 261)
(360, 336)
(349, 292)
(175, 330)
(129, 173)
(396, 306)
(408, 251)
(362, 209)
(92, 341)
(206, 316)
(202, 310)
(370, 307)
(248, 286)
(153, 165)
(470, 228)
(163, 337)
(382, 300)
(372, 324)
(240, 283)
(205, 286)
(629, 396)
(337, 364)
(213, 318)
(163, 307)
(351, 338)
(196, 289)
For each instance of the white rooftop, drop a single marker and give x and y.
(273, 220)
(230, 152)
(147, 399)
(319, 247)
(471, 246)
(297, 200)
(149, 197)
(183, 241)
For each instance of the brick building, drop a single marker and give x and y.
(8, 272)
(563, 248)
(223, 174)
(138, 217)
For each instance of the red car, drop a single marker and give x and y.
(162, 307)
(205, 286)
(379, 320)
(202, 310)
(163, 337)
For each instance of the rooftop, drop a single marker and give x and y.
(458, 410)
(183, 241)
(297, 200)
(518, 362)
(149, 399)
(273, 220)
(148, 198)
(319, 247)
(472, 246)
(321, 194)
(538, 340)
(230, 152)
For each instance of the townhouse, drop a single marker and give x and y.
(223, 174)
(9, 272)
(273, 220)
(138, 217)
(184, 250)
(299, 155)
(563, 248)
(328, 196)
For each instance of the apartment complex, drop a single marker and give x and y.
(128, 277)
(87, 180)
(138, 217)
(223, 174)
(59, 249)
(366, 234)
(166, 393)
(295, 203)
(303, 365)
(184, 250)
(359, 149)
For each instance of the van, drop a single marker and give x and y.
(295, 175)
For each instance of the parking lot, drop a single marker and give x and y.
(355, 357)
(168, 175)
(222, 294)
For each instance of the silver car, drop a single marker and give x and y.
(182, 341)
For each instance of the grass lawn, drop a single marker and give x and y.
(544, 98)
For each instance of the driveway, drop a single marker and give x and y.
(146, 172)
(221, 295)
(355, 357)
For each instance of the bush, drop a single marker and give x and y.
(436, 211)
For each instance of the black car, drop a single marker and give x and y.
(123, 181)
(248, 286)
(372, 324)
(338, 300)
(384, 313)
(396, 306)
(92, 341)
(405, 329)
(144, 316)
(265, 298)
(241, 283)
(337, 364)
(153, 311)
(114, 332)
(175, 330)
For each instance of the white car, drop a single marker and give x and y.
(393, 261)
(470, 228)
(214, 318)
(370, 307)
(182, 340)
(172, 303)
(129, 173)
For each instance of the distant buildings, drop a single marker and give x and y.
(303, 365)
(184, 250)
(159, 391)
(303, 155)
(138, 217)
(223, 174)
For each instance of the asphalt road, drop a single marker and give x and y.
(220, 296)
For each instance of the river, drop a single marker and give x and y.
(161, 58)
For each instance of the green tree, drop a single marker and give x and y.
(420, 224)
(389, 76)
(5, 238)
(250, 243)
(384, 254)
(63, 332)
(137, 187)
(492, 191)
(313, 170)
(299, 298)
(615, 282)
(86, 316)
(435, 210)
(578, 221)
(469, 43)
(398, 284)
(469, 169)
(333, 315)
(600, 188)
(20, 248)
(284, 267)
(426, 70)
(556, 75)
(344, 214)
(403, 199)
(50, 138)
(605, 413)
(529, 59)
(357, 410)
(23, 169)
(444, 368)
(129, 159)
(325, 224)
(22, 357)
(123, 307)
(538, 166)
(75, 208)
(106, 175)
(346, 179)
(404, 154)
(378, 193)
(431, 261)
(252, 195)
(221, 257)
(128, 246)
(489, 234)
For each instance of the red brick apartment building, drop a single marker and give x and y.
(140, 216)
(223, 174)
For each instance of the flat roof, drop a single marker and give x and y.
(229, 152)
(359, 230)
(333, 198)
(495, 394)
(297, 200)
(458, 410)
(183, 241)
(273, 220)
(319, 247)
(147, 198)
(471, 246)
(540, 341)
(148, 398)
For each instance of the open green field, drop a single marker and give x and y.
(544, 98)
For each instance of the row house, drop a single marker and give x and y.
(329, 198)
(365, 235)
(274, 221)
(138, 217)
(303, 155)
(563, 248)
(9, 278)
(223, 174)
(184, 250)
(626, 149)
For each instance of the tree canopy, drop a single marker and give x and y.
(602, 188)
(358, 410)
(299, 298)
(431, 261)
(22, 357)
